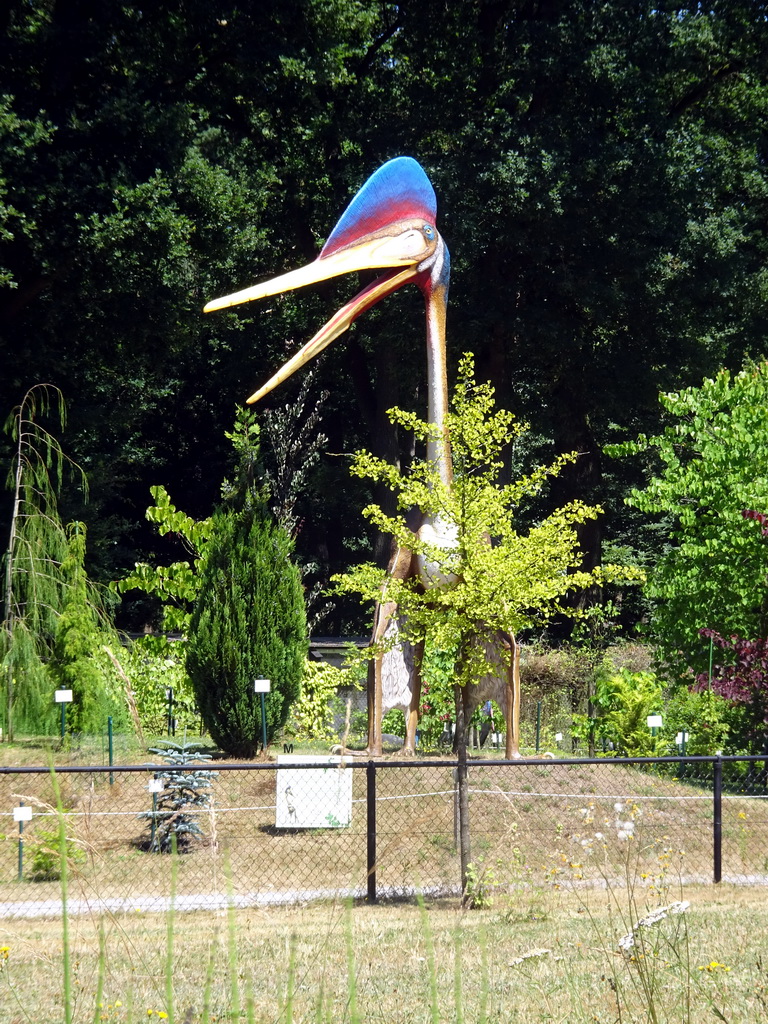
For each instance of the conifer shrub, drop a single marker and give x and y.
(249, 622)
(175, 818)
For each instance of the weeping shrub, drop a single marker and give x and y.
(78, 662)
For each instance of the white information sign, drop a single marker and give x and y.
(63, 696)
(22, 814)
(317, 797)
(654, 721)
(155, 786)
(261, 685)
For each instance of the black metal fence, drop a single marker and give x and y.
(279, 833)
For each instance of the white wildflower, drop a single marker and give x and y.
(626, 942)
(618, 808)
(599, 837)
(531, 954)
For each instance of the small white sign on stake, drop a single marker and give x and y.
(22, 814)
(261, 685)
(63, 696)
(155, 786)
(654, 721)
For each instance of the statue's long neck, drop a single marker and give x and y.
(438, 450)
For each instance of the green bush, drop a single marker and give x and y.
(154, 664)
(623, 700)
(711, 722)
(248, 622)
(314, 713)
(45, 865)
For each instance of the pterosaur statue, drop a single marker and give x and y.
(390, 226)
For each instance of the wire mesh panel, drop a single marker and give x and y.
(745, 821)
(236, 853)
(416, 827)
(562, 823)
(269, 833)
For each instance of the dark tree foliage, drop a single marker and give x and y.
(602, 177)
(248, 623)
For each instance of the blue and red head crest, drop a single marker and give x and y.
(399, 190)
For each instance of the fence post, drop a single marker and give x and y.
(717, 817)
(370, 792)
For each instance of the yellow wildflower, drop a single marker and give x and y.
(714, 965)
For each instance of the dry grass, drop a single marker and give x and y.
(402, 954)
(555, 886)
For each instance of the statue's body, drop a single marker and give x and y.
(390, 225)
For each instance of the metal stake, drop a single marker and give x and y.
(538, 724)
(21, 845)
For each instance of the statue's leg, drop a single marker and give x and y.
(517, 696)
(412, 714)
(512, 710)
(382, 617)
(400, 567)
(374, 707)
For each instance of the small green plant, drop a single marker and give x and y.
(478, 890)
(393, 723)
(46, 857)
(623, 700)
(174, 818)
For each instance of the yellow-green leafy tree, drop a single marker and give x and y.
(497, 576)
(491, 575)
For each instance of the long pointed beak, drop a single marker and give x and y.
(338, 323)
(386, 250)
(401, 246)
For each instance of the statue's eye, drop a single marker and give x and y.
(429, 232)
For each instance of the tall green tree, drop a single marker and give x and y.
(33, 590)
(493, 573)
(491, 578)
(708, 466)
(249, 619)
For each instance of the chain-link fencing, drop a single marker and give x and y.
(267, 833)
